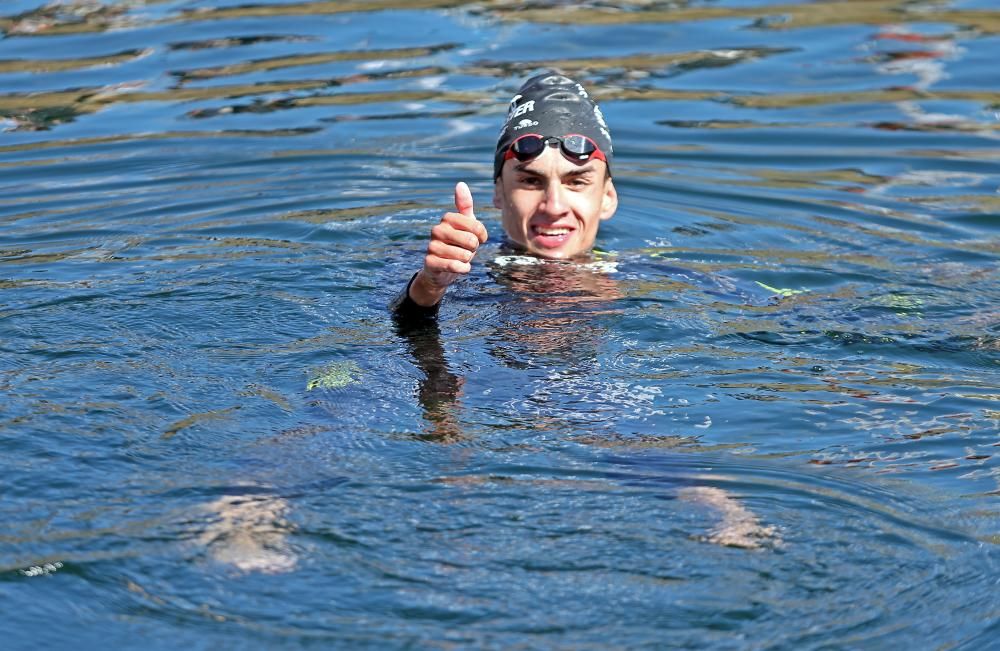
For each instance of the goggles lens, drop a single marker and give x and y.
(574, 146)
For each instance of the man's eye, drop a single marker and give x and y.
(531, 180)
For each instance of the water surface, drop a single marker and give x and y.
(764, 415)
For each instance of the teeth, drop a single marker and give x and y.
(553, 231)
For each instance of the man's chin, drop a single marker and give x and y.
(566, 252)
(548, 254)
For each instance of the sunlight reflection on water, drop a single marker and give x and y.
(762, 416)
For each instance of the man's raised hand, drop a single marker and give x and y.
(454, 242)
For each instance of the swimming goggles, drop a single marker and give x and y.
(573, 145)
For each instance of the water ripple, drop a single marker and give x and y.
(762, 415)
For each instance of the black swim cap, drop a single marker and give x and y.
(552, 105)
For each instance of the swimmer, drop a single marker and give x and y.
(551, 183)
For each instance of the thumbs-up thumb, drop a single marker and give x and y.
(463, 199)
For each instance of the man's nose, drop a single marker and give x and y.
(555, 198)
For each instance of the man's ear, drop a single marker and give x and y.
(609, 201)
(498, 194)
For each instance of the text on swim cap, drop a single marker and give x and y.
(516, 111)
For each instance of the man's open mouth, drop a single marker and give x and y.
(551, 231)
(551, 237)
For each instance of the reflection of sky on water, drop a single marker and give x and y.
(213, 433)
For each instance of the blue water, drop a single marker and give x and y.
(764, 415)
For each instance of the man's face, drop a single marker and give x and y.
(552, 206)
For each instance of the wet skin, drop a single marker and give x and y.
(551, 206)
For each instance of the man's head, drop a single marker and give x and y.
(552, 175)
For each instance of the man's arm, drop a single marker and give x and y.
(454, 242)
(439, 388)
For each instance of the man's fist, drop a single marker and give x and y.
(454, 242)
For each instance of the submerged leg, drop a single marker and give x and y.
(739, 526)
(249, 532)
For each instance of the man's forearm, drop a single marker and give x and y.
(406, 310)
(423, 292)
